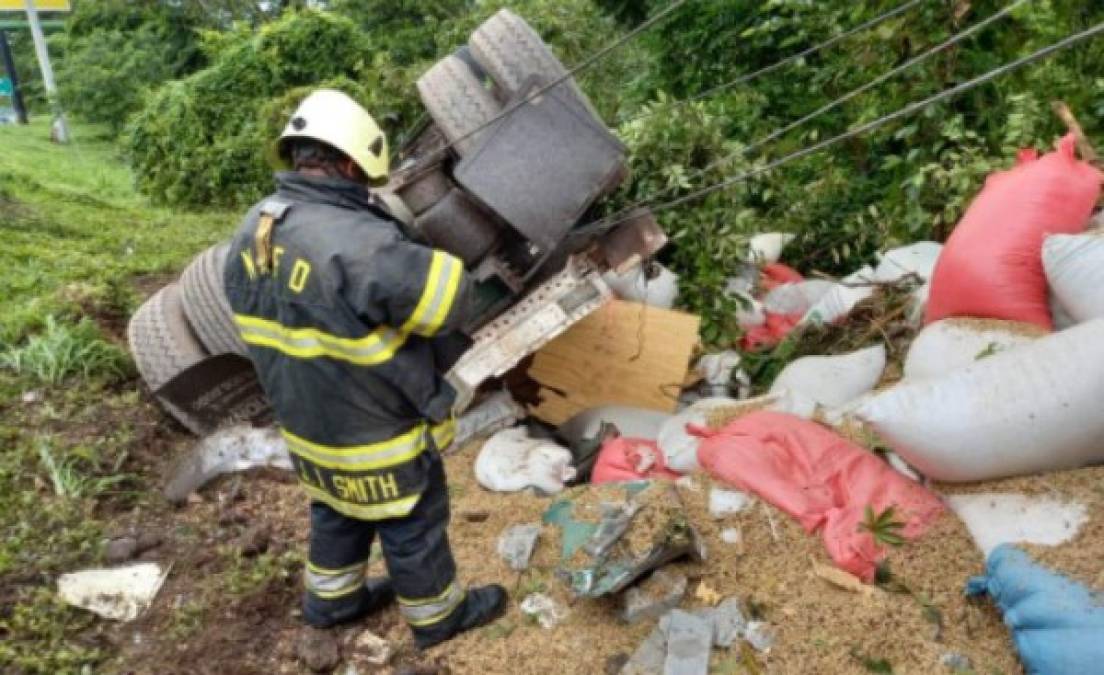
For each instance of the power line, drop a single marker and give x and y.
(766, 70)
(881, 79)
(911, 109)
(578, 68)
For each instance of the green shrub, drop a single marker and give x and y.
(204, 140)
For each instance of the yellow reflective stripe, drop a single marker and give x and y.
(377, 347)
(421, 602)
(322, 571)
(382, 511)
(443, 434)
(427, 615)
(360, 457)
(442, 282)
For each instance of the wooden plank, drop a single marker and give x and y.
(623, 354)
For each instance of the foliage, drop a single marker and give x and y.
(62, 351)
(883, 527)
(204, 140)
(405, 29)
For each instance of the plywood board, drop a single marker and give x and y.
(623, 354)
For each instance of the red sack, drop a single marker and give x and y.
(821, 479)
(776, 274)
(770, 332)
(991, 266)
(624, 459)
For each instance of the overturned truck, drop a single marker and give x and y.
(511, 160)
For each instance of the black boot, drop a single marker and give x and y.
(481, 606)
(376, 594)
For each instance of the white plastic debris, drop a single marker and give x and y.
(547, 611)
(650, 284)
(120, 593)
(498, 411)
(833, 380)
(952, 344)
(630, 422)
(720, 372)
(517, 543)
(915, 259)
(838, 302)
(1074, 265)
(237, 448)
(732, 535)
(511, 461)
(759, 635)
(797, 298)
(766, 248)
(727, 502)
(995, 518)
(1032, 409)
(750, 313)
(1061, 318)
(372, 649)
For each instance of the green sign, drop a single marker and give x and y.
(5, 87)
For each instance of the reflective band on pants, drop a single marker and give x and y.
(329, 584)
(420, 612)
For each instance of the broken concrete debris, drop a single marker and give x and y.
(657, 595)
(682, 640)
(517, 543)
(724, 502)
(689, 639)
(120, 593)
(372, 649)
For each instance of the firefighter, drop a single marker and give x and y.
(343, 315)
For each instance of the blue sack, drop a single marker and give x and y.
(1057, 624)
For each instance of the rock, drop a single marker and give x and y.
(254, 541)
(372, 649)
(660, 593)
(728, 622)
(956, 662)
(689, 640)
(32, 396)
(147, 541)
(649, 656)
(318, 650)
(732, 535)
(119, 593)
(544, 609)
(517, 543)
(120, 550)
(726, 502)
(616, 663)
(759, 635)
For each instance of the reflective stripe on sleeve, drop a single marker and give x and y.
(442, 283)
(444, 433)
(421, 612)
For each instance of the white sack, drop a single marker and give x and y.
(510, 461)
(838, 302)
(1032, 409)
(796, 298)
(1074, 265)
(750, 312)
(120, 593)
(995, 518)
(917, 259)
(720, 370)
(766, 248)
(680, 448)
(833, 381)
(1059, 316)
(635, 286)
(951, 344)
(631, 422)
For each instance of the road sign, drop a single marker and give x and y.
(6, 87)
(40, 5)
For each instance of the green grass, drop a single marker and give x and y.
(76, 241)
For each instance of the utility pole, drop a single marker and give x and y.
(9, 66)
(60, 129)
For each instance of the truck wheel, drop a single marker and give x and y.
(163, 345)
(511, 52)
(205, 303)
(458, 101)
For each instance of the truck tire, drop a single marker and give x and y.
(457, 101)
(511, 52)
(163, 345)
(205, 303)
(422, 190)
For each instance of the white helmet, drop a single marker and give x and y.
(332, 117)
